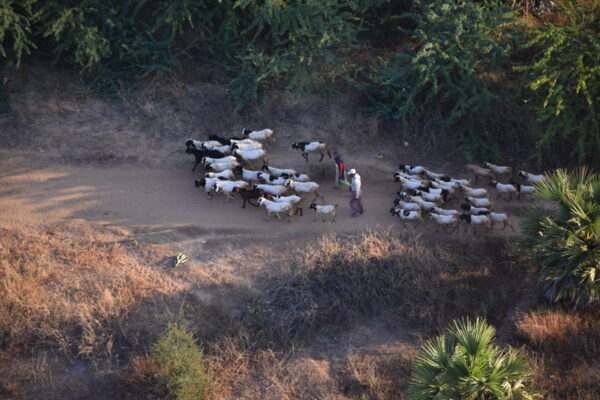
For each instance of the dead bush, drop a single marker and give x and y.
(70, 289)
(341, 277)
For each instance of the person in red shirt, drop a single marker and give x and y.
(340, 171)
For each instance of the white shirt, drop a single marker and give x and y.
(355, 185)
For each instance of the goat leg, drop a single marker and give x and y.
(305, 155)
(322, 155)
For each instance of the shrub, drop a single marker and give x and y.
(181, 364)
(340, 278)
(456, 43)
(564, 80)
(465, 364)
(565, 242)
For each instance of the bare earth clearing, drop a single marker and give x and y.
(67, 158)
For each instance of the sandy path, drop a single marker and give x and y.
(136, 197)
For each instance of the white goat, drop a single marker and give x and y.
(443, 211)
(227, 187)
(271, 180)
(208, 184)
(277, 172)
(498, 169)
(221, 166)
(479, 202)
(304, 187)
(324, 210)
(276, 208)
(502, 188)
(531, 178)
(265, 134)
(251, 155)
(497, 218)
(474, 192)
(225, 174)
(275, 190)
(247, 146)
(482, 220)
(210, 160)
(445, 221)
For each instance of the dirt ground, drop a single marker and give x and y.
(66, 157)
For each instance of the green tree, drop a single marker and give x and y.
(565, 240)
(440, 74)
(182, 368)
(464, 364)
(564, 83)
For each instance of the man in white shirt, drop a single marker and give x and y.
(356, 190)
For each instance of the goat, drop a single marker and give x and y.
(474, 192)
(221, 166)
(307, 147)
(502, 188)
(246, 146)
(251, 155)
(275, 190)
(407, 215)
(227, 187)
(271, 180)
(479, 202)
(476, 220)
(443, 211)
(210, 160)
(445, 221)
(304, 187)
(224, 150)
(432, 175)
(408, 184)
(498, 169)
(474, 210)
(295, 200)
(433, 197)
(478, 171)
(496, 218)
(277, 172)
(249, 194)
(407, 205)
(225, 174)
(412, 169)
(275, 208)
(222, 140)
(247, 175)
(523, 189)
(200, 154)
(324, 210)
(265, 134)
(207, 183)
(531, 178)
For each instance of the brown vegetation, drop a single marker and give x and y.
(565, 347)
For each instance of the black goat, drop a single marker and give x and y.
(249, 194)
(222, 140)
(200, 154)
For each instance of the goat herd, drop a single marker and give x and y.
(424, 191)
(227, 162)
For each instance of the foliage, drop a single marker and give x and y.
(465, 364)
(564, 79)
(566, 242)
(182, 368)
(457, 43)
(16, 29)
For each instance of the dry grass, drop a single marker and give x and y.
(70, 289)
(342, 277)
(380, 377)
(565, 348)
